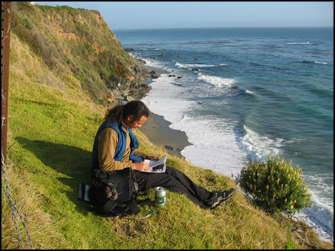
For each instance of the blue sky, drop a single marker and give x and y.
(175, 14)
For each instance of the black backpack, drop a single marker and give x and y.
(113, 192)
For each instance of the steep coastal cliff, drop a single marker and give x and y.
(81, 41)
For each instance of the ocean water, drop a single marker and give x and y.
(243, 94)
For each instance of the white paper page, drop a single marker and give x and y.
(153, 163)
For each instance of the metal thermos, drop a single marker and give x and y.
(160, 197)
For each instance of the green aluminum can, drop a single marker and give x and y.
(160, 197)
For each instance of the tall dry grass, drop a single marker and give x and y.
(30, 206)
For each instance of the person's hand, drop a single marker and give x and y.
(141, 166)
(150, 157)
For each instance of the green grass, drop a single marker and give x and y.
(49, 154)
(50, 147)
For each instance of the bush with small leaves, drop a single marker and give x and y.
(275, 186)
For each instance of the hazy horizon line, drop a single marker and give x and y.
(225, 27)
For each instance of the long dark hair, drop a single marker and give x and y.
(135, 108)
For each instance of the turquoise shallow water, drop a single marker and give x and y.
(248, 93)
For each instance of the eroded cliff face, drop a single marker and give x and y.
(59, 21)
(80, 40)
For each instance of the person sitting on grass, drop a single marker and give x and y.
(115, 148)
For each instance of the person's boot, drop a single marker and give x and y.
(219, 197)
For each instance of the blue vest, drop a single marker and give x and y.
(121, 145)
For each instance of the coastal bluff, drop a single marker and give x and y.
(78, 46)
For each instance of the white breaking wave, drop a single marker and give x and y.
(320, 62)
(179, 65)
(250, 92)
(300, 43)
(216, 81)
(164, 93)
(216, 136)
(156, 64)
(259, 147)
(320, 217)
(323, 211)
(214, 145)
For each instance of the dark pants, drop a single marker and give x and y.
(175, 181)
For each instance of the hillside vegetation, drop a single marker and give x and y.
(77, 46)
(64, 63)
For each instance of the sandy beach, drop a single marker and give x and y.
(157, 129)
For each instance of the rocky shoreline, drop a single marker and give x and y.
(156, 128)
(144, 75)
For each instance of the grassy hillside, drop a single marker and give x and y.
(51, 127)
(79, 42)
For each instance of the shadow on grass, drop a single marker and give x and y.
(72, 161)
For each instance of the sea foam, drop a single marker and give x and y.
(297, 43)
(258, 146)
(179, 65)
(217, 136)
(216, 81)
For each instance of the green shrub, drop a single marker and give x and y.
(275, 186)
